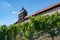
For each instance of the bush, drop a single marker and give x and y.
(30, 30)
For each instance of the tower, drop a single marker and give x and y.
(22, 15)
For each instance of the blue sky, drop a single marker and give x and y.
(9, 9)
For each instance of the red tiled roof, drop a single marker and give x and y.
(47, 8)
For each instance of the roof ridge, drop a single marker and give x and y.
(46, 8)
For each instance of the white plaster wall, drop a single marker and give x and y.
(59, 10)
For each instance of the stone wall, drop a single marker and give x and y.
(49, 38)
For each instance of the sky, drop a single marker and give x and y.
(9, 9)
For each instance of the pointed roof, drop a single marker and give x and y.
(22, 10)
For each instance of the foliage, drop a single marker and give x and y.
(32, 29)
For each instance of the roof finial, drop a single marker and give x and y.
(22, 8)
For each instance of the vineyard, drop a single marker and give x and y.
(48, 24)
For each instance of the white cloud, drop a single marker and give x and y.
(14, 12)
(6, 4)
